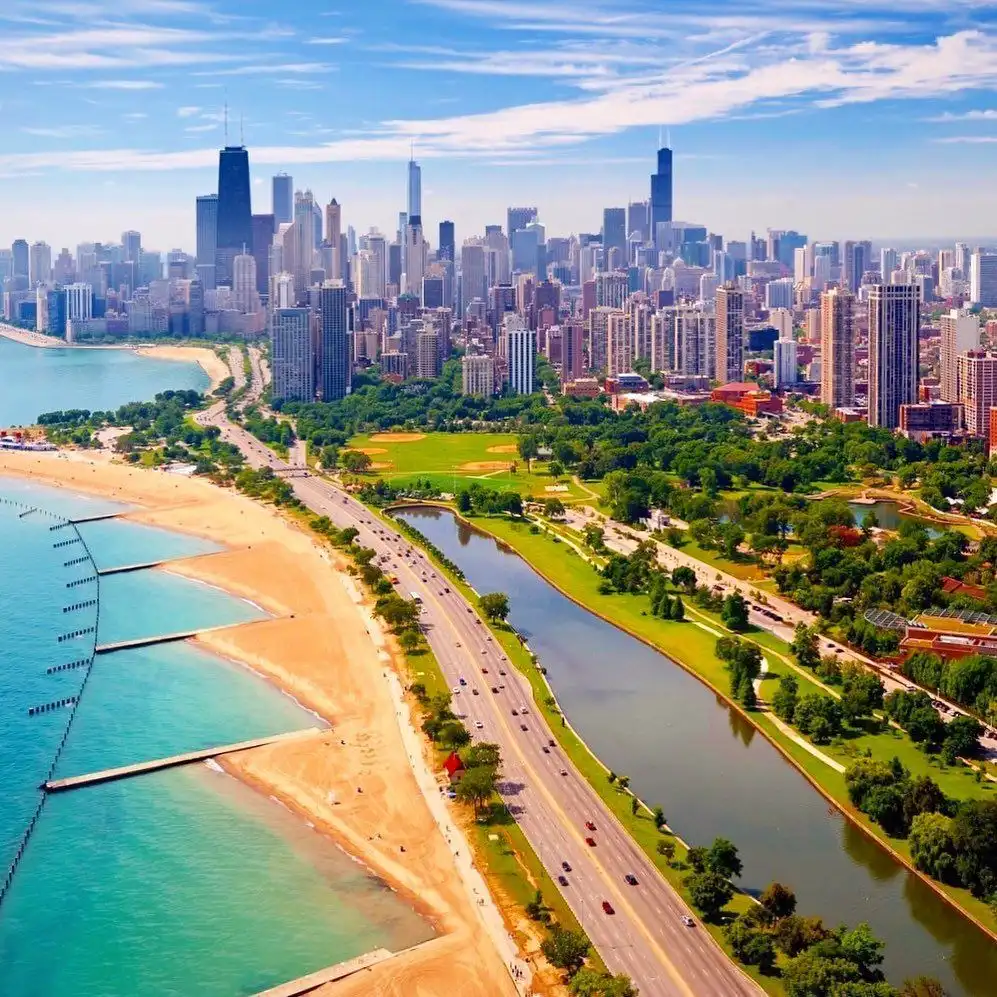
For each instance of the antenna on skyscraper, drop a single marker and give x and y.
(242, 135)
(225, 118)
(668, 137)
(660, 137)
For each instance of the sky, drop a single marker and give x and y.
(839, 118)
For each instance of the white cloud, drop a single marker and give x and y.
(979, 115)
(255, 69)
(63, 131)
(120, 85)
(967, 140)
(188, 112)
(208, 127)
(331, 40)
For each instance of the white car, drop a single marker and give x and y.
(456, 690)
(688, 921)
(479, 725)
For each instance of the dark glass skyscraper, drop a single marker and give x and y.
(235, 226)
(661, 192)
(263, 230)
(447, 247)
(335, 361)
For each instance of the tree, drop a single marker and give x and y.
(922, 986)
(784, 700)
(666, 848)
(591, 983)
(860, 946)
(483, 755)
(409, 640)
(794, 934)
(659, 818)
(678, 609)
(528, 450)
(554, 508)
(818, 716)
(750, 945)
(974, 837)
(400, 614)
(697, 858)
(722, 858)
(476, 787)
(495, 605)
(778, 901)
(811, 974)
(806, 646)
(684, 577)
(709, 893)
(962, 737)
(464, 504)
(355, 461)
(731, 536)
(454, 735)
(735, 612)
(565, 949)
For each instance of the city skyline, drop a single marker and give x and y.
(846, 122)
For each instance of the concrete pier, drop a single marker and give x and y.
(97, 518)
(124, 645)
(125, 568)
(125, 771)
(306, 984)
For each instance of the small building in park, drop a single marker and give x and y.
(454, 767)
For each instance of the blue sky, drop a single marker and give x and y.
(841, 118)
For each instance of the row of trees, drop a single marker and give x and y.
(483, 501)
(969, 681)
(959, 738)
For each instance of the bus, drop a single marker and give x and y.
(416, 598)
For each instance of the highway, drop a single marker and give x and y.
(644, 936)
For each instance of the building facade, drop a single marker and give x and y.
(837, 348)
(334, 342)
(960, 331)
(730, 334)
(894, 322)
(977, 377)
(293, 355)
(478, 375)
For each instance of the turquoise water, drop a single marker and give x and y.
(41, 380)
(118, 879)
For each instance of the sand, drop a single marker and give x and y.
(382, 465)
(486, 465)
(370, 451)
(318, 649)
(397, 437)
(505, 448)
(206, 359)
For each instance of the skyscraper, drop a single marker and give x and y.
(473, 281)
(977, 376)
(894, 319)
(858, 259)
(334, 236)
(661, 195)
(614, 231)
(334, 340)
(304, 243)
(40, 263)
(293, 359)
(837, 348)
(730, 334)
(517, 218)
(447, 248)
(282, 198)
(414, 193)
(638, 221)
(22, 261)
(207, 229)
(521, 353)
(960, 331)
(982, 279)
(235, 226)
(131, 243)
(263, 231)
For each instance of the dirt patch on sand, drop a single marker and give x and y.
(370, 451)
(397, 437)
(486, 465)
(505, 448)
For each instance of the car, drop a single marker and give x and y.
(608, 907)
(523, 727)
(495, 690)
(631, 879)
(484, 671)
(459, 644)
(839, 650)
(590, 842)
(478, 622)
(688, 921)
(478, 725)
(463, 681)
(564, 771)
(445, 589)
(545, 750)
(469, 609)
(515, 713)
(489, 637)
(563, 880)
(590, 825)
(566, 867)
(484, 650)
(552, 743)
(456, 690)
(501, 672)
(474, 692)
(523, 709)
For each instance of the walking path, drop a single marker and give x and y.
(474, 883)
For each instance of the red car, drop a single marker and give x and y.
(590, 842)
(590, 825)
(608, 907)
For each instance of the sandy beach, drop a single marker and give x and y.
(318, 649)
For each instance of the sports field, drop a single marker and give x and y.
(455, 460)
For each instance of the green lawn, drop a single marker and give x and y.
(455, 460)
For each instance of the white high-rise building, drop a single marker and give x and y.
(377, 246)
(894, 322)
(889, 260)
(293, 355)
(414, 193)
(521, 354)
(708, 284)
(244, 293)
(785, 370)
(781, 319)
(619, 344)
(478, 375)
(40, 263)
(282, 290)
(304, 243)
(983, 280)
(960, 331)
(694, 335)
(977, 376)
(779, 293)
(801, 267)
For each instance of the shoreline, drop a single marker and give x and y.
(852, 817)
(354, 783)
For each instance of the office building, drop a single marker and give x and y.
(977, 376)
(521, 355)
(858, 259)
(447, 249)
(730, 334)
(207, 228)
(131, 246)
(334, 236)
(414, 257)
(245, 297)
(263, 232)
(235, 225)
(414, 193)
(614, 231)
(39, 263)
(894, 320)
(639, 221)
(779, 293)
(428, 363)
(983, 280)
(785, 371)
(888, 262)
(282, 199)
(335, 366)
(960, 331)
(661, 199)
(293, 357)
(478, 375)
(517, 218)
(473, 280)
(837, 348)
(304, 243)
(21, 263)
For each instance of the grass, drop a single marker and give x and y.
(445, 459)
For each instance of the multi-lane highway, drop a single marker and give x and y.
(637, 929)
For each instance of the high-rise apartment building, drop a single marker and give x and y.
(293, 356)
(335, 365)
(661, 198)
(521, 355)
(427, 354)
(598, 336)
(983, 279)
(235, 225)
(779, 293)
(282, 198)
(858, 259)
(960, 331)
(785, 370)
(478, 375)
(619, 344)
(837, 349)
(977, 375)
(207, 229)
(40, 263)
(730, 334)
(691, 337)
(894, 321)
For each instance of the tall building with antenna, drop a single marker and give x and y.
(235, 225)
(661, 193)
(414, 193)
